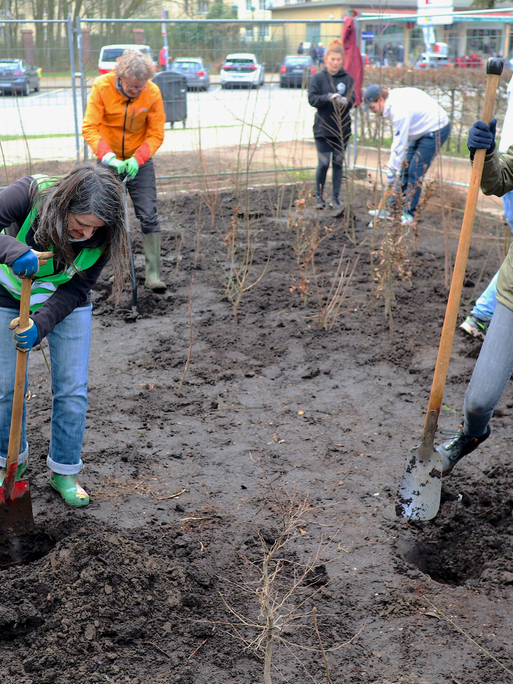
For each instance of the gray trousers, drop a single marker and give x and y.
(143, 191)
(491, 374)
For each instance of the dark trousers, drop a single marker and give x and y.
(419, 155)
(329, 150)
(143, 191)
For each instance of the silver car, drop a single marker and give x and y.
(194, 70)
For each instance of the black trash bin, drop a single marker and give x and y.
(173, 87)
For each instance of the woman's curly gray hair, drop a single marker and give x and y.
(135, 65)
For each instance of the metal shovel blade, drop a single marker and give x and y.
(421, 488)
(16, 516)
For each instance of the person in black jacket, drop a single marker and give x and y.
(331, 92)
(80, 218)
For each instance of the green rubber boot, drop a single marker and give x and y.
(68, 487)
(151, 245)
(20, 472)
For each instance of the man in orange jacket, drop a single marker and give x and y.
(124, 126)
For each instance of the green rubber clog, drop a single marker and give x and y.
(20, 472)
(68, 487)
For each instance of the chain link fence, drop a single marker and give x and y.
(269, 129)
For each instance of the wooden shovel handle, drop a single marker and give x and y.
(493, 70)
(13, 449)
(19, 392)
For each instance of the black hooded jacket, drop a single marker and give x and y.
(331, 121)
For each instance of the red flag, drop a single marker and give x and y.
(353, 58)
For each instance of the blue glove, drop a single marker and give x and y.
(482, 136)
(24, 339)
(25, 265)
(334, 96)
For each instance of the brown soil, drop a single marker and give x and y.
(159, 579)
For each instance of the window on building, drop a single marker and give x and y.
(486, 41)
(202, 6)
(249, 33)
(248, 5)
(261, 4)
(313, 33)
(263, 31)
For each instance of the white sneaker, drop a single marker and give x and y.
(380, 213)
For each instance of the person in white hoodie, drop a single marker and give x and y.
(477, 322)
(420, 126)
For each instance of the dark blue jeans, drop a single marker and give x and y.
(419, 155)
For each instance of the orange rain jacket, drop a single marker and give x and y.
(127, 127)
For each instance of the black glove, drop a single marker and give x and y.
(482, 136)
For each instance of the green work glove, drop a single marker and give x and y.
(111, 160)
(131, 167)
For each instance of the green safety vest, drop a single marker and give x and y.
(46, 281)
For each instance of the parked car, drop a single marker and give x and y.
(194, 70)
(109, 55)
(433, 60)
(242, 69)
(296, 71)
(18, 75)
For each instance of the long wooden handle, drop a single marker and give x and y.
(493, 70)
(19, 392)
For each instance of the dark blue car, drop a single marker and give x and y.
(17, 75)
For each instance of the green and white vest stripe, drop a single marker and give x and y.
(46, 281)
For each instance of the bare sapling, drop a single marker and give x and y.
(210, 192)
(329, 301)
(282, 592)
(238, 276)
(392, 258)
(307, 236)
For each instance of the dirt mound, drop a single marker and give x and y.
(203, 443)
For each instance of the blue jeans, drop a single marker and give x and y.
(419, 155)
(491, 374)
(486, 303)
(69, 362)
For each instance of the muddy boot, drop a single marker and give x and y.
(68, 487)
(151, 245)
(20, 472)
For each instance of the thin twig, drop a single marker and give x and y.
(24, 135)
(326, 664)
(191, 340)
(196, 650)
(5, 163)
(171, 496)
(158, 648)
(465, 634)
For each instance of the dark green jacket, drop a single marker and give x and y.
(498, 180)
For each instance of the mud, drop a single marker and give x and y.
(208, 449)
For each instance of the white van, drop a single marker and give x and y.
(109, 55)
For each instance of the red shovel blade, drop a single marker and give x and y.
(16, 516)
